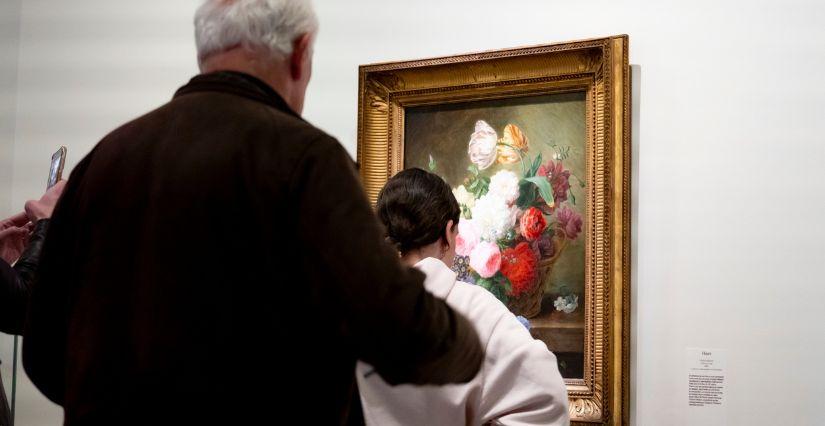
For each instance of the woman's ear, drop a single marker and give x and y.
(450, 234)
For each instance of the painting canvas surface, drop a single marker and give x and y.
(538, 227)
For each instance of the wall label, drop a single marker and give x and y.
(706, 385)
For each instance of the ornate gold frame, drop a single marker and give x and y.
(598, 67)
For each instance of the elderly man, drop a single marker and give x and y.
(217, 262)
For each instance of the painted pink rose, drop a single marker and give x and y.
(570, 222)
(485, 259)
(482, 148)
(468, 237)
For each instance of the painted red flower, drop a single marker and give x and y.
(532, 223)
(519, 266)
(559, 179)
(545, 245)
(570, 222)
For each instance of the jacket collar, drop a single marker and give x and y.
(440, 279)
(237, 83)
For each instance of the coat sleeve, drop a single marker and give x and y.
(15, 282)
(46, 329)
(12, 293)
(392, 322)
(523, 385)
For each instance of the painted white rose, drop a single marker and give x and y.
(567, 304)
(482, 149)
(464, 197)
(504, 184)
(494, 216)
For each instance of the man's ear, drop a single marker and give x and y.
(298, 60)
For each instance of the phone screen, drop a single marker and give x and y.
(56, 169)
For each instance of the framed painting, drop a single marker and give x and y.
(535, 143)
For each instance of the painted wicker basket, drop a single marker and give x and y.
(528, 304)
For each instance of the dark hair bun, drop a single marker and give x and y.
(415, 207)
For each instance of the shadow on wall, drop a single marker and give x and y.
(635, 102)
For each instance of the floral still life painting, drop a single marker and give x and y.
(517, 168)
(535, 143)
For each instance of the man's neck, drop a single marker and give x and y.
(273, 73)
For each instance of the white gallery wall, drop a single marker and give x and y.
(9, 44)
(728, 150)
(9, 48)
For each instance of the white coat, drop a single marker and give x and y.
(519, 382)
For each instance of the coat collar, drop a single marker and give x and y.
(237, 83)
(440, 279)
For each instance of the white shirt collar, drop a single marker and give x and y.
(440, 279)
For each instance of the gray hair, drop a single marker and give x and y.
(269, 24)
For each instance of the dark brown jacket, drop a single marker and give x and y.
(216, 262)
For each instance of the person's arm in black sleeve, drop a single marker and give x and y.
(10, 291)
(407, 334)
(15, 283)
(46, 328)
(27, 265)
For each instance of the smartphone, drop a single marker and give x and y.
(56, 170)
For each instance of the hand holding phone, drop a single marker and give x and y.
(42, 208)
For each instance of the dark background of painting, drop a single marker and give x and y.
(444, 131)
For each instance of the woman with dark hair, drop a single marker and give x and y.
(519, 383)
